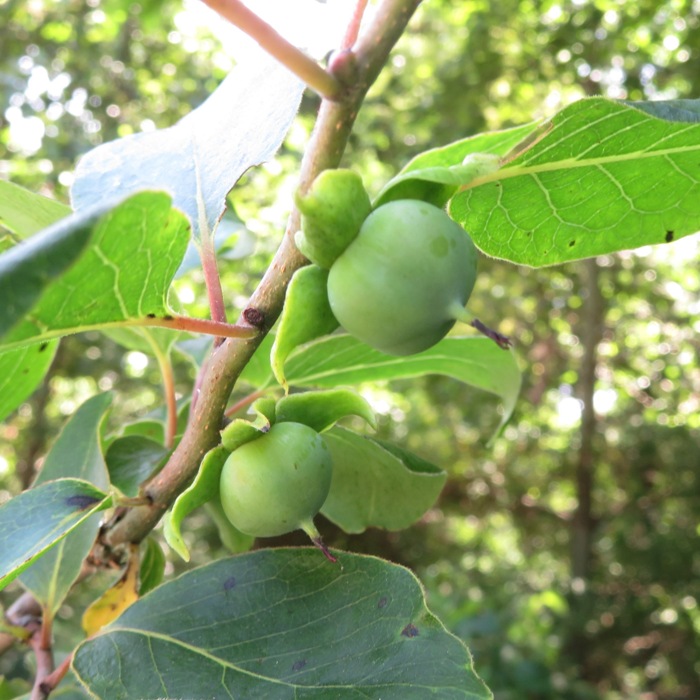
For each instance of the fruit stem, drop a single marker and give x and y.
(309, 528)
(456, 311)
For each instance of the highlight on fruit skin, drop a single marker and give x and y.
(278, 482)
(404, 280)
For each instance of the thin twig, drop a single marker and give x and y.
(353, 28)
(40, 643)
(196, 325)
(166, 372)
(277, 46)
(212, 280)
(50, 683)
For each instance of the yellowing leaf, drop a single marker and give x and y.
(115, 600)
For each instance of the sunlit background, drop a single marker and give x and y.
(497, 553)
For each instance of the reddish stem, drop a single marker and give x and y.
(245, 401)
(197, 325)
(40, 643)
(212, 280)
(166, 371)
(277, 46)
(50, 683)
(353, 28)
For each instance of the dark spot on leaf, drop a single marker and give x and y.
(82, 501)
(382, 602)
(168, 317)
(669, 236)
(150, 315)
(410, 630)
(43, 347)
(298, 665)
(230, 583)
(254, 316)
(572, 244)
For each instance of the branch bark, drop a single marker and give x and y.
(328, 142)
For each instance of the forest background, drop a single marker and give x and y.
(565, 553)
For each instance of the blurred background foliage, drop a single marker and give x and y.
(565, 554)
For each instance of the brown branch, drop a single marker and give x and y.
(40, 643)
(328, 141)
(277, 46)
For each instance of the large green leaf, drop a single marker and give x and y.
(604, 177)
(340, 360)
(92, 269)
(376, 484)
(435, 175)
(199, 159)
(38, 519)
(75, 454)
(279, 624)
(21, 371)
(24, 213)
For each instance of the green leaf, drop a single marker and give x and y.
(306, 315)
(204, 487)
(340, 360)
(92, 269)
(322, 409)
(25, 213)
(152, 567)
(21, 371)
(199, 159)
(376, 484)
(435, 175)
(279, 624)
(75, 454)
(604, 177)
(131, 460)
(38, 519)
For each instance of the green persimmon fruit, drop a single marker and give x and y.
(277, 482)
(403, 282)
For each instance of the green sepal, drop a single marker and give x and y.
(231, 537)
(332, 212)
(264, 409)
(204, 488)
(306, 316)
(377, 485)
(240, 431)
(320, 410)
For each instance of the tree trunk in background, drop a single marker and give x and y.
(591, 333)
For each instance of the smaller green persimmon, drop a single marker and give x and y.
(404, 280)
(278, 482)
